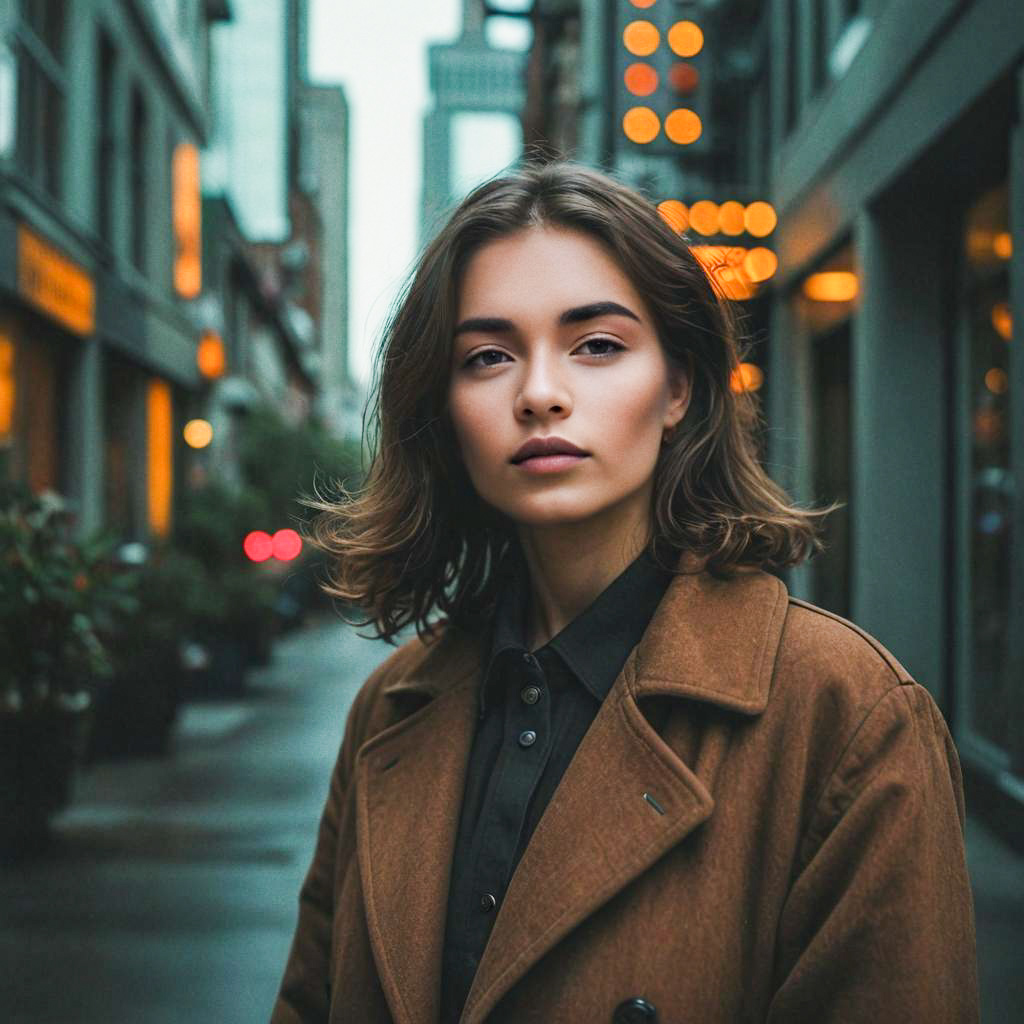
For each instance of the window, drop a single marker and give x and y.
(827, 302)
(819, 56)
(792, 65)
(139, 132)
(833, 434)
(991, 689)
(33, 398)
(123, 456)
(105, 145)
(39, 53)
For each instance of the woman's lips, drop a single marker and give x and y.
(550, 463)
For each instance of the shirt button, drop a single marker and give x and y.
(527, 738)
(487, 902)
(530, 694)
(529, 658)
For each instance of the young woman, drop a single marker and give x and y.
(619, 774)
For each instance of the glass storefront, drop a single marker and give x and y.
(992, 696)
(827, 301)
(124, 432)
(33, 393)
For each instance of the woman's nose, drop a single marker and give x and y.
(543, 391)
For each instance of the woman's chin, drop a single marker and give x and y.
(549, 514)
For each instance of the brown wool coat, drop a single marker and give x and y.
(808, 864)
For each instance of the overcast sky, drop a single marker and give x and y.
(378, 52)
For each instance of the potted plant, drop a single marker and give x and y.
(237, 624)
(56, 597)
(137, 708)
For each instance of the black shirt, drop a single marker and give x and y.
(534, 710)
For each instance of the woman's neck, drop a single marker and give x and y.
(570, 565)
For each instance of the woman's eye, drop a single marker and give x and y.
(483, 358)
(605, 346)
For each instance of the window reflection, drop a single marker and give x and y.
(989, 246)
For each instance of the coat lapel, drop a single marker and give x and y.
(710, 640)
(409, 783)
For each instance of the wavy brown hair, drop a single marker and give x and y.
(415, 538)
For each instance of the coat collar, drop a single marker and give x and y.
(709, 640)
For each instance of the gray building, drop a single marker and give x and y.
(897, 167)
(250, 89)
(102, 107)
(473, 128)
(325, 176)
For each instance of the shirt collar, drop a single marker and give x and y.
(595, 645)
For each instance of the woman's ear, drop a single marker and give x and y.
(680, 382)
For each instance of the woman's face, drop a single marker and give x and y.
(553, 341)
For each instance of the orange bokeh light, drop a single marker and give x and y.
(641, 38)
(704, 217)
(641, 124)
(996, 381)
(723, 265)
(832, 286)
(683, 126)
(641, 79)
(760, 264)
(643, 4)
(1002, 245)
(198, 433)
(746, 377)
(1002, 320)
(210, 358)
(730, 217)
(685, 39)
(760, 219)
(674, 214)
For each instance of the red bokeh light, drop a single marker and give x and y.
(684, 78)
(287, 545)
(258, 546)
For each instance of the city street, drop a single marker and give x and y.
(170, 891)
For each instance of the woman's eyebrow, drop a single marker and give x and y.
(578, 314)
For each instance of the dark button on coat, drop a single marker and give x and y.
(798, 857)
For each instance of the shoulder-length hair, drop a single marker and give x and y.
(415, 538)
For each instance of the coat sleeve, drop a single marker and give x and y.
(879, 922)
(304, 994)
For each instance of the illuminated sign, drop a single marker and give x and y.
(52, 283)
(188, 278)
(160, 455)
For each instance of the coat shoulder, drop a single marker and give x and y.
(823, 656)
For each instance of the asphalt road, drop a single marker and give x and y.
(170, 892)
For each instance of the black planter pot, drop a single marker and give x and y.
(136, 713)
(40, 748)
(223, 674)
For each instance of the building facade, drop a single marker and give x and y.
(473, 128)
(896, 166)
(102, 108)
